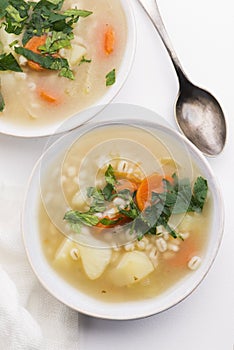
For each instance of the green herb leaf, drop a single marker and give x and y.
(125, 194)
(132, 211)
(110, 176)
(66, 72)
(16, 15)
(151, 215)
(171, 232)
(4, 4)
(49, 4)
(84, 60)
(109, 222)
(13, 43)
(75, 13)
(98, 200)
(140, 227)
(111, 181)
(178, 197)
(48, 62)
(108, 192)
(95, 193)
(78, 218)
(110, 78)
(55, 42)
(45, 18)
(200, 190)
(8, 62)
(182, 197)
(58, 3)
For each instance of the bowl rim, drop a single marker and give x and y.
(123, 74)
(197, 156)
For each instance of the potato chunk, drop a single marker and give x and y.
(63, 253)
(132, 267)
(75, 54)
(94, 260)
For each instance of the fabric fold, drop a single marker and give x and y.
(30, 318)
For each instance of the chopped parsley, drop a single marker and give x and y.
(98, 200)
(74, 14)
(15, 13)
(8, 62)
(13, 43)
(76, 219)
(84, 60)
(34, 19)
(111, 78)
(55, 42)
(48, 17)
(39, 18)
(110, 176)
(177, 197)
(47, 61)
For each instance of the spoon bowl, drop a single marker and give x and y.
(201, 119)
(198, 114)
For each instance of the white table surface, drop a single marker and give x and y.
(202, 32)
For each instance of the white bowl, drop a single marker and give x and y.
(76, 299)
(29, 131)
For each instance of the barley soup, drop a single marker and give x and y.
(137, 210)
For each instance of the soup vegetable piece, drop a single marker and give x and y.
(62, 54)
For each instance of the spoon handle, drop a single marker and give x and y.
(151, 9)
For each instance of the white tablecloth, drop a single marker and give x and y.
(30, 318)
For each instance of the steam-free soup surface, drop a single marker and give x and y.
(132, 269)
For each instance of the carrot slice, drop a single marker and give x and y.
(152, 183)
(33, 45)
(109, 40)
(48, 97)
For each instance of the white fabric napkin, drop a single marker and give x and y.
(30, 318)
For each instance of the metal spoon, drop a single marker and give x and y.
(198, 113)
